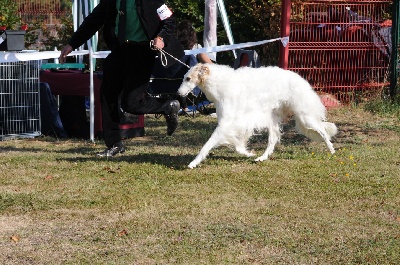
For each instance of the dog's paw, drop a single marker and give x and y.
(245, 152)
(261, 158)
(192, 165)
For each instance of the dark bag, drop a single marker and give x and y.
(73, 116)
(49, 117)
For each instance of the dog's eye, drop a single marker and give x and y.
(187, 79)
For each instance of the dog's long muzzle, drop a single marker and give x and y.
(184, 91)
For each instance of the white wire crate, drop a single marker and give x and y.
(19, 100)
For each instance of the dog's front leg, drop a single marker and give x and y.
(274, 137)
(214, 141)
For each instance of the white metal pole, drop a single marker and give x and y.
(91, 95)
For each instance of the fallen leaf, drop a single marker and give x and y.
(14, 238)
(48, 177)
(123, 233)
(110, 170)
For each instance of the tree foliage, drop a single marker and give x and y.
(8, 14)
(257, 20)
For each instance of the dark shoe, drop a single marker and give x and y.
(112, 151)
(171, 116)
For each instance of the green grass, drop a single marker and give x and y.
(384, 107)
(60, 204)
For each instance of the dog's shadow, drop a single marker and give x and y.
(178, 162)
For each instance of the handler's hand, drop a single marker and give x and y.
(158, 43)
(64, 52)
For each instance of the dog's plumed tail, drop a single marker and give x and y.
(309, 112)
(329, 127)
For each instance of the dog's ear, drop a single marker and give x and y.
(204, 71)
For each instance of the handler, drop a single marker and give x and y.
(133, 30)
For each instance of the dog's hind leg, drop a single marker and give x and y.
(241, 146)
(315, 130)
(326, 138)
(214, 141)
(274, 136)
(243, 151)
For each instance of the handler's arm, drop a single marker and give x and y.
(90, 25)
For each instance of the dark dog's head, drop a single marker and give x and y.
(195, 77)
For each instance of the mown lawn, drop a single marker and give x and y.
(60, 204)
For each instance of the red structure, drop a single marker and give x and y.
(48, 10)
(341, 47)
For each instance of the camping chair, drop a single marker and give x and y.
(247, 58)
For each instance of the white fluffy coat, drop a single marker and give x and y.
(256, 99)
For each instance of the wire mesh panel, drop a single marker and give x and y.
(19, 100)
(341, 47)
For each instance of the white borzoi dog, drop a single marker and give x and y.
(250, 100)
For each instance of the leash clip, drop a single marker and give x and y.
(152, 45)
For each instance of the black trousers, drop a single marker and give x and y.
(126, 75)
